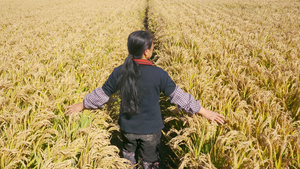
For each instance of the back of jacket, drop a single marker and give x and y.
(153, 81)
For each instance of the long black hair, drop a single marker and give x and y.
(129, 75)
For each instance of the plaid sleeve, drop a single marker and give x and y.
(96, 99)
(185, 101)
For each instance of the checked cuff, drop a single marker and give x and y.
(96, 99)
(185, 101)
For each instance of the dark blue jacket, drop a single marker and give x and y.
(154, 80)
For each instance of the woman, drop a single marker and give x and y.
(140, 84)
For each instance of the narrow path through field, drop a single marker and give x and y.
(167, 156)
(166, 153)
(146, 16)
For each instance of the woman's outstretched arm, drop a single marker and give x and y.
(188, 103)
(93, 100)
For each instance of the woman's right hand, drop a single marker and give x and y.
(74, 109)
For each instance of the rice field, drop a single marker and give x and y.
(239, 58)
(52, 54)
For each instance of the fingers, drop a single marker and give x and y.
(67, 107)
(69, 110)
(221, 116)
(218, 118)
(72, 109)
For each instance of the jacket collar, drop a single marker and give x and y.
(143, 62)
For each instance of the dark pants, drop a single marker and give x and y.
(145, 145)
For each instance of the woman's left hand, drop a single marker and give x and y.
(212, 116)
